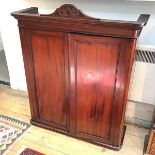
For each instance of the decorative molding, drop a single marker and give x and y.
(69, 10)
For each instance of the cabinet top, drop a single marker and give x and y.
(68, 18)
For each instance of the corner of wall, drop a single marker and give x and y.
(19, 85)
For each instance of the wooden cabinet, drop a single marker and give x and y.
(78, 70)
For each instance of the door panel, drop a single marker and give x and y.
(94, 61)
(49, 57)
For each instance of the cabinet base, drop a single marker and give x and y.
(109, 146)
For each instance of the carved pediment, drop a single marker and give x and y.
(69, 10)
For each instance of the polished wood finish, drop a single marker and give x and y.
(81, 24)
(94, 60)
(50, 75)
(78, 70)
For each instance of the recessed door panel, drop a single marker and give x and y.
(93, 65)
(49, 55)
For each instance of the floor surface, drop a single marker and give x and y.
(15, 104)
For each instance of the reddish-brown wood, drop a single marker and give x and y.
(50, 78)
(50, 75)
(99, 71)
(78, 70)
(95, 64)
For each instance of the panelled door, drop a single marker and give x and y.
(50, 63)
(93, 71)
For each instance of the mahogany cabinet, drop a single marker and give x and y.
(78, 70)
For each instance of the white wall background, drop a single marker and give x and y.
(1, 44)
(110, 9)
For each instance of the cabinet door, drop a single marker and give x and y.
(50, 64)
(93, 70)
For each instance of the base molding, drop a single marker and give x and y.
(61, 131)
(138, 122)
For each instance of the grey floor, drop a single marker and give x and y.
(4, 74)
